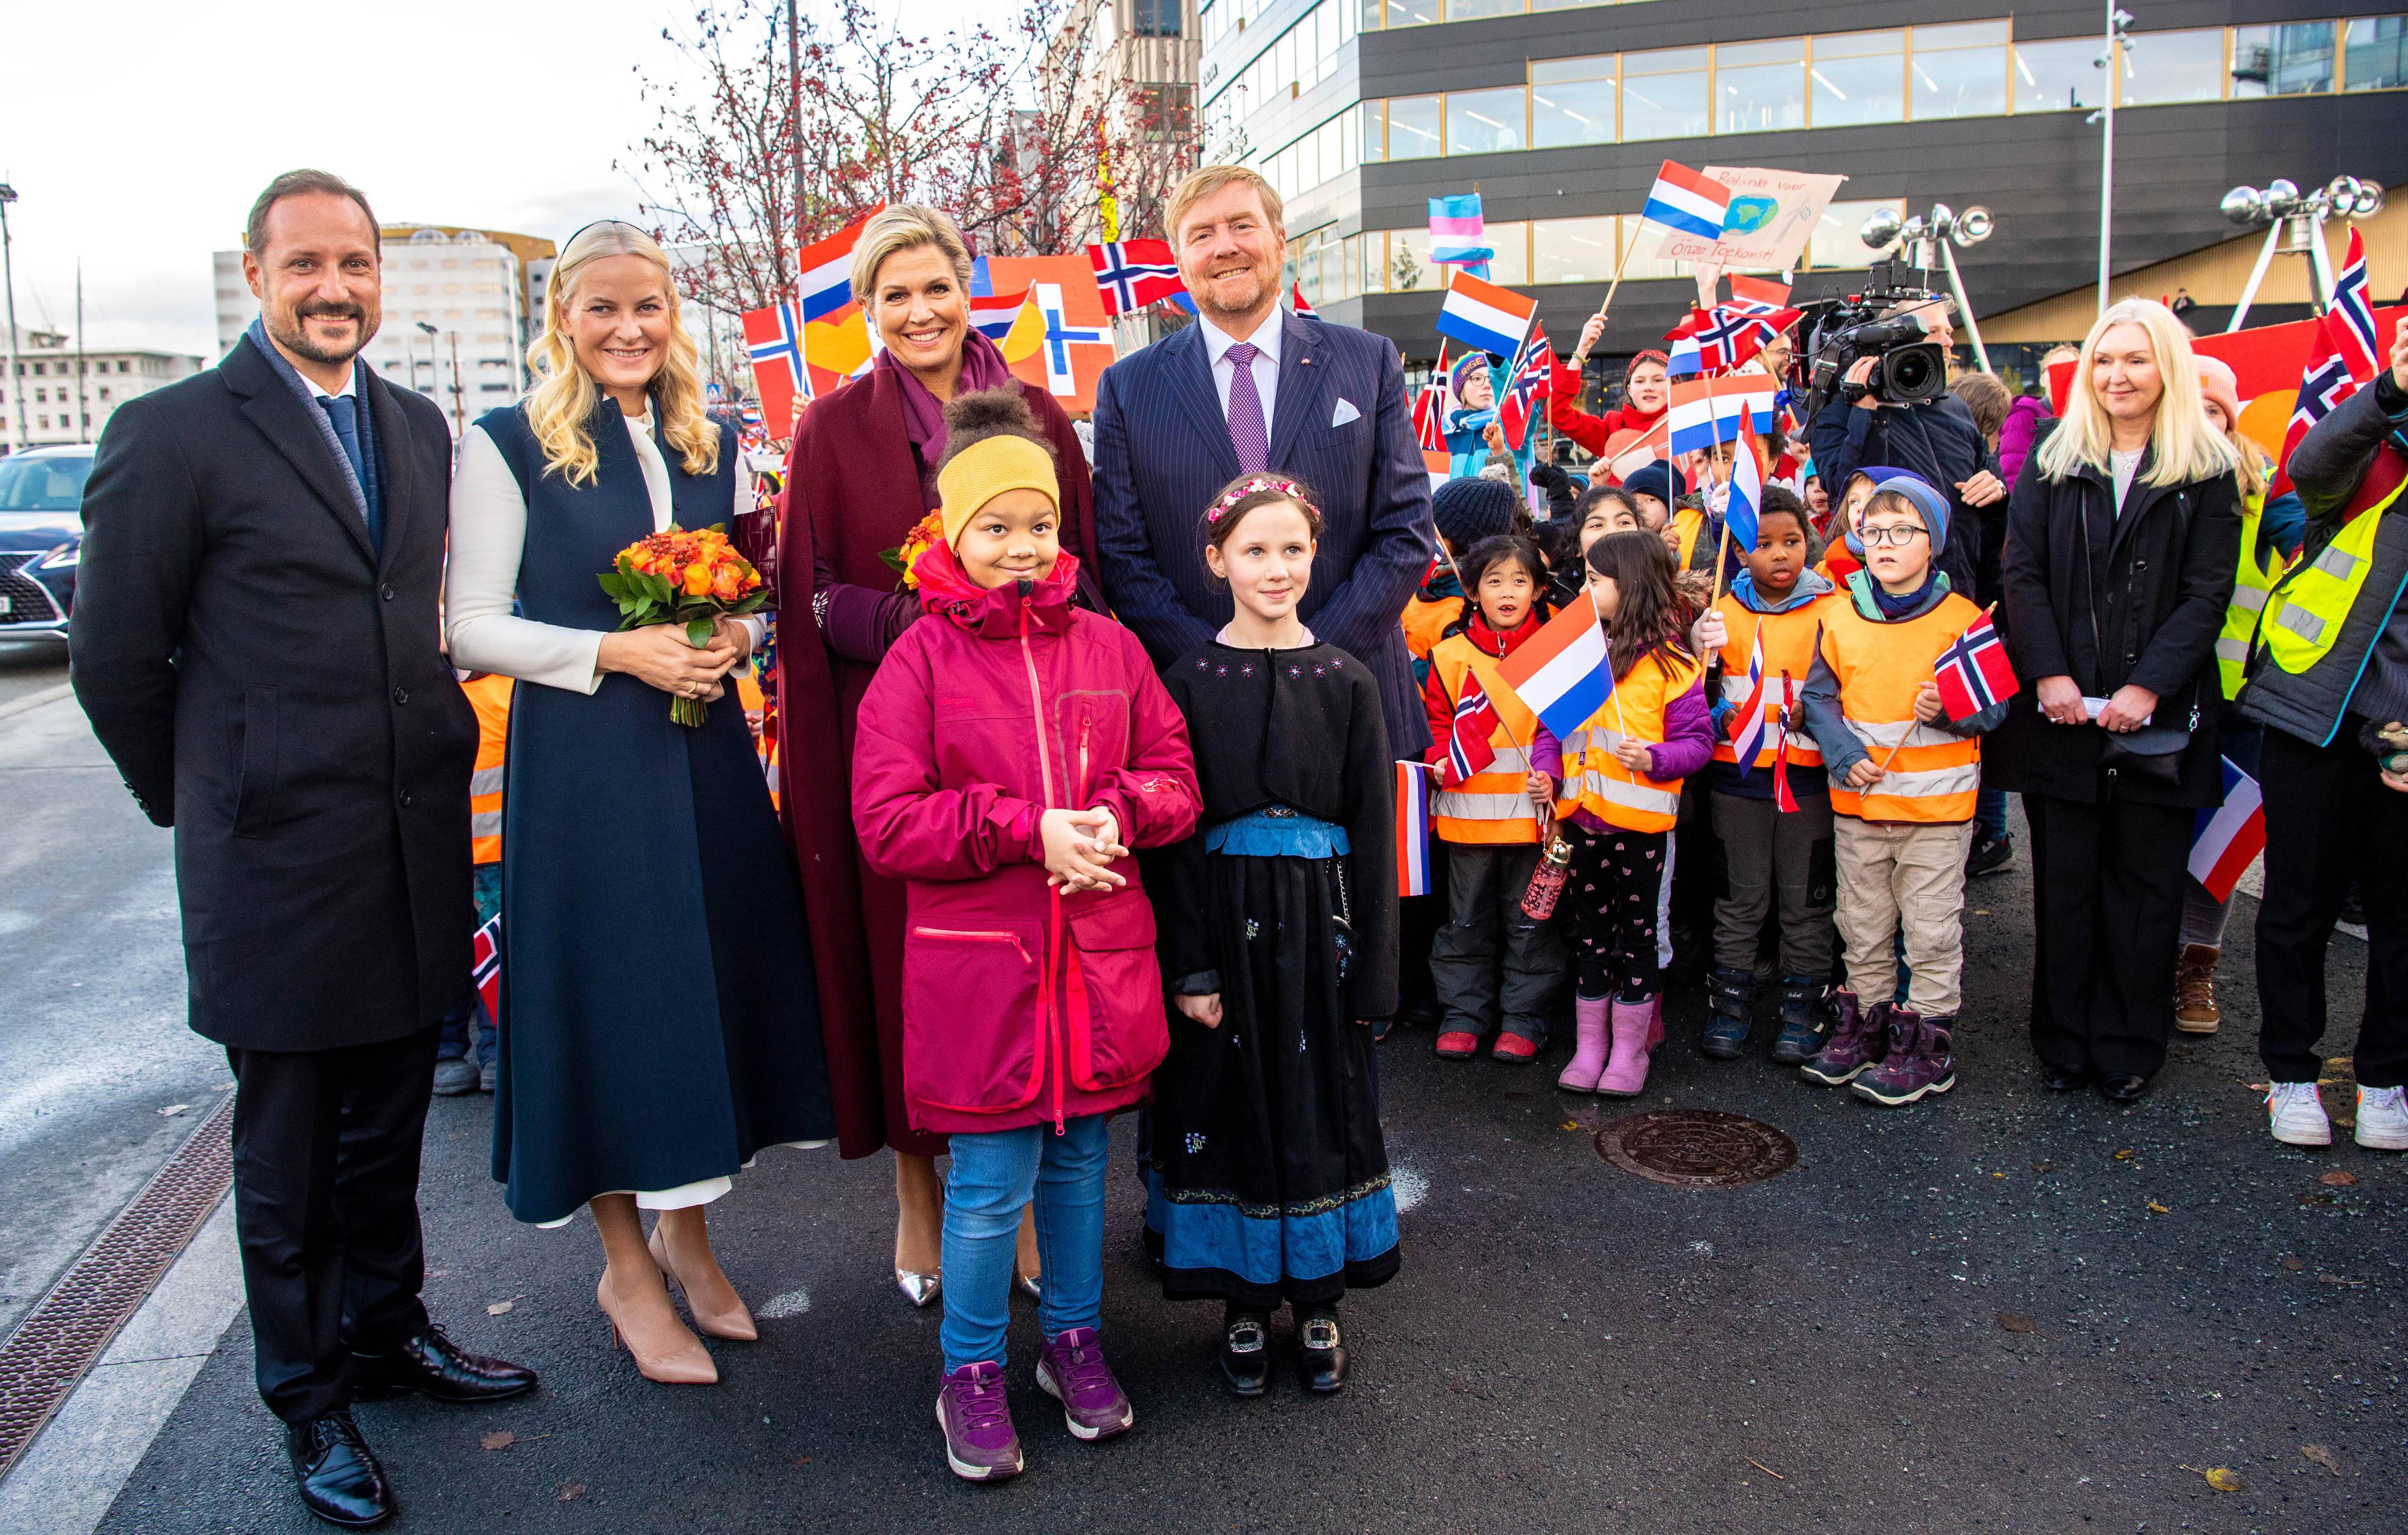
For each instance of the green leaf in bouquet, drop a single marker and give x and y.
(894, 559)
(697, 631)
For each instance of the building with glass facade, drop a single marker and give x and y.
(1558, 113)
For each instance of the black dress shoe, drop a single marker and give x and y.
(2121, 1088)
(1246, 1353)
(434, 1366)
(1321, 1354)
(2061, 1078)
(339, 1479)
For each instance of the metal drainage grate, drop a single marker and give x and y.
(63, 1335)
(1697, 1148)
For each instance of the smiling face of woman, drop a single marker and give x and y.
(923, 313)
(2124, 372)
(617, 318)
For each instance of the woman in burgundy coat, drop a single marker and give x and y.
(861, 475)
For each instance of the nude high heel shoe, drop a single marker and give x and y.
(735, 1323)
(689, 1365)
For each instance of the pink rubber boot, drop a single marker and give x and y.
(1588, 1055)
(1634, 1036)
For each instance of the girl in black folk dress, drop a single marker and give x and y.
(1268, 1180)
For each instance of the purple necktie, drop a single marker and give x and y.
(1248, 434)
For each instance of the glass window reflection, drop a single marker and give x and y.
(1571, 101)
(2375, 50)
(1412, 127)
(1485, 121)
(1761, 86)
(1859, 77)
(2061, 74)
(2171, 66)
(1664, 95)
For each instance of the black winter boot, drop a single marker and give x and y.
(1801, 1021)
(1733, 1015)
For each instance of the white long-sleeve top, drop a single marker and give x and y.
(488, 539)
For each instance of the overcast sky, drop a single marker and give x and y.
(137, 132)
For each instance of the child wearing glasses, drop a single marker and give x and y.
(1902, 777)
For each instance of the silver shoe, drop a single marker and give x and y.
(1033, 1288)
(919, 1289)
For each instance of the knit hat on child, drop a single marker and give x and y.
(991, 446)
(1471, 509)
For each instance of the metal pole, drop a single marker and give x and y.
(459, 426)
(2107, 156)
(1965, 308)
(2257, 275)
(16, 369)
(2320, 277)
(83, 418)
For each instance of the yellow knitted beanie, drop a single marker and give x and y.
(986, 470)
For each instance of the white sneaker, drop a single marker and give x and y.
(2296, 1116)
(2383, 1119)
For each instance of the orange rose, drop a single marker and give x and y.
(727, 584)
(698, 580)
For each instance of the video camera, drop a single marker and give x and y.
(1913, 368)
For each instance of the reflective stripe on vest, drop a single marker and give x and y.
(2259, 566)
(1607, 790)
(1928, 774)
(1788, 646)
(490, 696)
(1491, 806)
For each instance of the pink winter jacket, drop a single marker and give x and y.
(1021, 1005)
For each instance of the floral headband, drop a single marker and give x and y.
(1253, 484)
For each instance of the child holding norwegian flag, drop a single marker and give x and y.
(1496, 967)
(1771, 806)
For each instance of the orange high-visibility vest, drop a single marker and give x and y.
(1492, 805)
(1688, 523)
(1788, 647)
(756, 716)
(1935, 773)
(1426, 623)
(490, 696)
(1613, 793)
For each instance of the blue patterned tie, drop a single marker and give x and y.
(1248, 432)
(344, 412)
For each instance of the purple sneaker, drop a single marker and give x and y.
(1920, 1061)
(974, 1411)
(1857, 1040)
(1072, 1371)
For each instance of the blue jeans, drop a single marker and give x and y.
(1989, 815)
(993, 1176)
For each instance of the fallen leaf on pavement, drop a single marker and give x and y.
(802, 1460)
(502, 1308)
(500, 1439)
(2159, 1208)
(571, 1492)
(1765, 1469)
(172, 1109)
(2336, 1279)
(2040, 1167)
(2338, 1179)
(2125, 1155)
(2322, 1457)
(1568, 1125)
(2224, 1479)
(2293, 1265)
(2015, 1321)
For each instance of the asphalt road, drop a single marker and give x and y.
(1569, 1347)
(30, 666)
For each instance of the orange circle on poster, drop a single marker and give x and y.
(2264, 419)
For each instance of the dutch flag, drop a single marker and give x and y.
(826, 284)
(1413, 830)
(1485, 316)
(2230, 837)
(1562, 671)
(1689, 201)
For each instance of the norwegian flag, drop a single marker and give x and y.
(1974, 673)
(1470, 746)
(1730, 333)
(773, 337)
(1783, 798)
(1429, 407)
(2360, 346)
(1296, 299)
(1747, 726)
(1133, 274)
(1533, 375)
(2323, 384)
(485, 967)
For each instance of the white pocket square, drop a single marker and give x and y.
(1346, 412)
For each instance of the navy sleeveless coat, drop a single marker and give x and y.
(660, 1016)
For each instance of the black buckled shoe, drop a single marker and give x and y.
(339, 1477)
(432, 1365)
(1246, 1353)
(2121, 1087)
(2062, 1078)
(1320, 1350)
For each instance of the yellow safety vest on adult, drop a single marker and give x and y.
(2314, 632)
(1615, 794)
(2261, 566)
(1860, 703)
(1493, 805)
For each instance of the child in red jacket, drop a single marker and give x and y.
(1012, 749)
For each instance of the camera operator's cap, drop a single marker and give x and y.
(1931, 503)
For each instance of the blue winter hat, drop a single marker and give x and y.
(1657, 478)
(1931, 503)
(1876, 473)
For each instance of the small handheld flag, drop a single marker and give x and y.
(826, 284)
(1689, 201)
(1470, 739)
(1563, 670)
(773, 339)
(2361, 346)
(2324, 383)
(1133, 274)
(1746, 498)
(1532, 381)
(1413, 830)
(2231, 836)
(1483, 315)
(993, 315)
(1747, 726)
(1296, 302)
(485, 967)
(1457, 234)
(1785, 799)
(1707, 411)
(1974, 673)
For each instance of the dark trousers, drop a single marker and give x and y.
(1616, 892)
(1765, 849)
(2107, 898)
(1496, 966)
(2328, 820)
(325, 1205)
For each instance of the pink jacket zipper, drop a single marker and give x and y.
(1054, 922)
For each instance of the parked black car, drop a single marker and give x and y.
(41, 538)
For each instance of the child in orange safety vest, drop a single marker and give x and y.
(1902, 778)
(1772, 807)
(1497, 968)
(464, 1057)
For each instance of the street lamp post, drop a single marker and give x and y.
(2112, 63)
(8, 274)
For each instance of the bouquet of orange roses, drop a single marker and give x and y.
(690, 578)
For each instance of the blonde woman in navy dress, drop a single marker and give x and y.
(661, 1019)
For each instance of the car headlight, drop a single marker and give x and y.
(65, 556)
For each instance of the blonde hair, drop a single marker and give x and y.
(906, 226)
(1203, 183)
(2186, 447)
(564, 397)
(2252, 467)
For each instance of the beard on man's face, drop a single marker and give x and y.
(290, 330)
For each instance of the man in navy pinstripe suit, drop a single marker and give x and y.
(1252, 387)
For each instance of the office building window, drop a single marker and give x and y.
(2169, 67)
(1857, 77)
(1638, 241)
(1571, 101)
(2375, 52)
(1572, 249)
(2283, 61)
(1512, 243)
(1760, 86)
(1412, 13)
(1409, 262)
(1374, 123)
(1486, 122)
(1472, 11)
(1835, 243)
(1154, 18)
(1412, 127)
(1958, 71)
(2061, 74)
(1664, 95)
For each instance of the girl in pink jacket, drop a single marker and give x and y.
(1012, 750)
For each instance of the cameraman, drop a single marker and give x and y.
(1936, 440)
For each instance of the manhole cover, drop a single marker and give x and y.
(1697, 1148)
